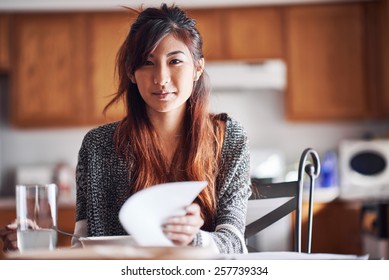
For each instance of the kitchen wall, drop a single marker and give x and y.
(260, 111)
(262, 114)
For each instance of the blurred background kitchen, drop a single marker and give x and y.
(296, 74)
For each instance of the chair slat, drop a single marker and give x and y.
(274, 190)
(271, 217)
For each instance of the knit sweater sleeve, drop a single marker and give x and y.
(233, 185)
(81, 180)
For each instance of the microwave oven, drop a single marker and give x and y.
(364, 169)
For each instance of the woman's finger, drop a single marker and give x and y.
(181, 230)
(9, 245)
(180, 239)
(181, 235)
(193, 209)
(12, 226)
(4, 231)
(192, 217)
(9, 237)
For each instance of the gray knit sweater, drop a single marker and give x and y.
(103, 181)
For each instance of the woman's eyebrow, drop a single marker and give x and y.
(175, 52)
(170, 53)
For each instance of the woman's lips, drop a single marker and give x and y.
(163, 94)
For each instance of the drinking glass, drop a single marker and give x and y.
(36, 213)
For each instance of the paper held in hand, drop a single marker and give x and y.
(143, 214)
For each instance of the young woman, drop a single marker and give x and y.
(168, 135)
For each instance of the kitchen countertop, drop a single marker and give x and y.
(9, 202)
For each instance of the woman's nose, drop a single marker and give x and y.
(161, 75)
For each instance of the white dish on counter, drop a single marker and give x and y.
(120, 240)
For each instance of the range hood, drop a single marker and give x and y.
(268, 75)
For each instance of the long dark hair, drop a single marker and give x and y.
(135, 138)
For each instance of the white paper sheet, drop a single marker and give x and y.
(143, 214)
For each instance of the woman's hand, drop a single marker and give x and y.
(8, 236)
(181, 230)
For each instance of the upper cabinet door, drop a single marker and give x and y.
(326, 62)
(240, 33)
(4, 43)
(209, 23)
(107, 32)
(253, 33)
(384, 57)
(48, 79)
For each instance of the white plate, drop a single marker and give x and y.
(107, 240)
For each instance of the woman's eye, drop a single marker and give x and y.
(175, 61)
(148, 62)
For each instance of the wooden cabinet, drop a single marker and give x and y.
(4, 43)
(336, 228)
(253, 33)
(64, 68)
(385, 58)
(63, 64)
(210, 25)
(240, 33)
(383, 9)
(107, 32)
(326, 58)
(66, 222)
(7, 215)
(49, 73)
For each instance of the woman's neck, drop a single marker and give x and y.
(169, 127)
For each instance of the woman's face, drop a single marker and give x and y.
(165, 81)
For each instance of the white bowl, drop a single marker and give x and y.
(121, 240)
